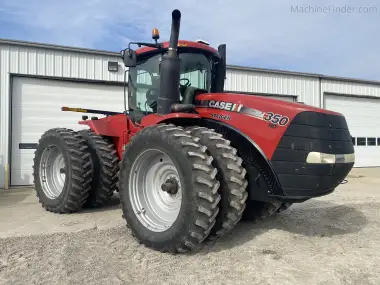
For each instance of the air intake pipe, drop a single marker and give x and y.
(170, 70)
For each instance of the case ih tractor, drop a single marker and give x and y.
(188, 159)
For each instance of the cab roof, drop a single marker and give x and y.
(181, 44)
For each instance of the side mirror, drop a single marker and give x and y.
(129, 57)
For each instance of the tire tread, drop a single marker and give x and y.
(104, 186)
(81, 170)
(231, 176)
(258, 211)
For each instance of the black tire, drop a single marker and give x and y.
(257, 211)
(284, 207)
(200, 198)
(231, 176)
(105, 164)
(78, 170)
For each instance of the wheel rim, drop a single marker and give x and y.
(52, 172)
(155, 208)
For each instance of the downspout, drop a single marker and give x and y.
(321, 105)
(6, 176)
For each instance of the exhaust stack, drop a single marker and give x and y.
(174, 33)
(170, 70)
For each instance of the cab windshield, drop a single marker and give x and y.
(144, 79)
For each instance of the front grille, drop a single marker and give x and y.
(312, 131)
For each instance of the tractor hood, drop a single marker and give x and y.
(264, 120)
(228, 101)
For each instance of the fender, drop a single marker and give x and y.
(154, 119)
(249, 150)
(121, 128)
(118, 127)
(252, 142)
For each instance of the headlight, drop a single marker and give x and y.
(327, 158)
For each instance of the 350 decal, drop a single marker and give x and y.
(276, 119)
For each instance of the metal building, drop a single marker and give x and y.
(37, 79)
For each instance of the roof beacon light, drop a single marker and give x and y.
(155, 34)
(203, 42)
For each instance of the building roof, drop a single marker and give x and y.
(305, 74)
(231, 67)
(57, 47)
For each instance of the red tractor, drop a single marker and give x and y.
(189, 160)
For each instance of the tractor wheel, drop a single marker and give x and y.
(106, 166)
(231, 176)
(258, 211)
(168, 189)
(284, 207)
(62, 171)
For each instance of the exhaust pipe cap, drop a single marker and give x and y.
(176, 15)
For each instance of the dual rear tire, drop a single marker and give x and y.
(207, 199)
(73, 170)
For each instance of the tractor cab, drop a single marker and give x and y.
(201, 70)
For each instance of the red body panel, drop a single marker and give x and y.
(155, 119)
(257, 126)
(181, 43)
(119, 127)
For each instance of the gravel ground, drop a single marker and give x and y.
(329, 240)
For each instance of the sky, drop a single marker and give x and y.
(336, 37)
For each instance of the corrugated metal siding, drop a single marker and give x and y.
(306, 89)
(350, 88)
(45, 62)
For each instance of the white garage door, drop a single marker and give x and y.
(362, 115)
(36, 107)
